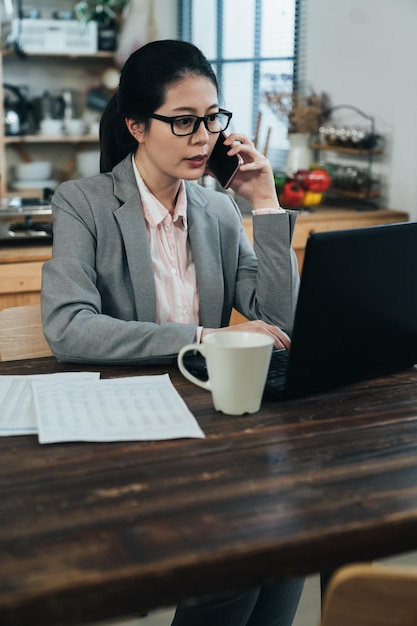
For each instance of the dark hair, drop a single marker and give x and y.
(143, 82)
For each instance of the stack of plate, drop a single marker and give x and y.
(34, 175)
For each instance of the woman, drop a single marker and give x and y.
(145, 262)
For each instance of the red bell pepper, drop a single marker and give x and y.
(292, 195)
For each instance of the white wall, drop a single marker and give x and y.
(364, 53)
(166, 12)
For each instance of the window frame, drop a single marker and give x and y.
(185, 20)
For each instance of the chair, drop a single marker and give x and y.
(21, 334)
(371, 595)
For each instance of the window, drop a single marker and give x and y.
(249, 43)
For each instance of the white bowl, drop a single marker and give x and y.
(36, 170)
(75, 126)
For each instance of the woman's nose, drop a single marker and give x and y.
(201, 134)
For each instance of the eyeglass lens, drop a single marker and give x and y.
(188, 124)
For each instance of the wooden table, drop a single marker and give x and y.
(105, 530)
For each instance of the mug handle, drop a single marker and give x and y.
(198, 347)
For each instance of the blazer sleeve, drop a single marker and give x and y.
(269, 292)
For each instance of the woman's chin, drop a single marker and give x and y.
(195, 174)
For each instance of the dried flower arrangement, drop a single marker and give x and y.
(301, 113)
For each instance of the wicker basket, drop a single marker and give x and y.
(56, 36)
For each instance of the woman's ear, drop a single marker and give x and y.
(136, 129)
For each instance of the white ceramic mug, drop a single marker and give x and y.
(237, 366)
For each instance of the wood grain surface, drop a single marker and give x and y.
(96, 531)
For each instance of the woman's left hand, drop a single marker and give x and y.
(254, 180)
(281, 339)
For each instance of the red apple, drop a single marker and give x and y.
(301, 178)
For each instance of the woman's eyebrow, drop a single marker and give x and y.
(192, 110)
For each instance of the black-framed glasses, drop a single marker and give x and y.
(182, 125)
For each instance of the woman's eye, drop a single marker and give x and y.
(213, 117)
(184, 121)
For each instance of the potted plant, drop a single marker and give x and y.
(301, 112)
(103, 12)
(303, 183)
(106, 14)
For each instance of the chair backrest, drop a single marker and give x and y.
(21, 334)
(371, 595)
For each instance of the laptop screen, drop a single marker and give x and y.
(356, 314)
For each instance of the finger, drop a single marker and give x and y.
(237, 137)
(279, 344)
(257, 164)
(249, 154)
(284, 339)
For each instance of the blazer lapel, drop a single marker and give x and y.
(132, 226)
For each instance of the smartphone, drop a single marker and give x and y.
(223, 166)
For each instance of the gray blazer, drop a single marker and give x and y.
(98, 291)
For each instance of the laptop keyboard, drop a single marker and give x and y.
(275, 381)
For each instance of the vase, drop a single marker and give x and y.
(300, 155)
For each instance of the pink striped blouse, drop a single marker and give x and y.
(173, 267)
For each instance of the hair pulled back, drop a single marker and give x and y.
(143, 82)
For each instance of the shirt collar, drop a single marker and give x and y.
(153, 210)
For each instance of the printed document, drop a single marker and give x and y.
(119, 409)
(17, 409)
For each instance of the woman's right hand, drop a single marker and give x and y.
(254, 179)
(281, 339)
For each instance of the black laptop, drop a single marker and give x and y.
(356, 315)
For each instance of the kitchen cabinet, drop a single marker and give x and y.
(21, 274)
(21, 265)
(38, 73)
(326, 219)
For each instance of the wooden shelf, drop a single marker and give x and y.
(35, 145)
(358, 195)
(19, 139)
(100, 54)
(24, 193)
(343, 150)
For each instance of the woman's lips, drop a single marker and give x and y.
(197, 161)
